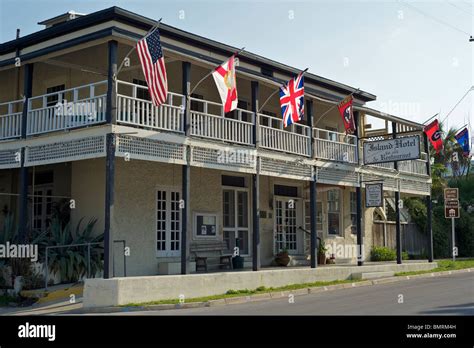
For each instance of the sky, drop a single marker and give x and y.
(415, 56)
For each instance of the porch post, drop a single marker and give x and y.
(256, 185)
(23, 213)
(109, 204)
(111, 107)
(428, 202)
(397, 206)
(312, 190)
(111, 118)
(360, 238)
(186, 169)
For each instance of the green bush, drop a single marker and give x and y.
(405, 255)
(382, 254)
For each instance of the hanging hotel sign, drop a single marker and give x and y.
(391, 150)
(373, 195)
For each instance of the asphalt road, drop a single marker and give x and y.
(443, 295)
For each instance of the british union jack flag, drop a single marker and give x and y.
(292, 100)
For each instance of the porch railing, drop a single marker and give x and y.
(335, 146)
(10, 119)
(134, 108)
(297, 139)
(66, 109)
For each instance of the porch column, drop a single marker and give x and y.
(111, 107)
(256, 185)
(23, 213)
(186, 169)
(360, 238)
(428, 202)
(312, 190)
(397, 206)
(111, 118)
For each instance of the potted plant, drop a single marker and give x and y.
(322, 253)
(282, 258)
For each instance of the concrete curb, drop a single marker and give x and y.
(267, 296)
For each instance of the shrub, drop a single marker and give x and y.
(405, 255)
(382, 254)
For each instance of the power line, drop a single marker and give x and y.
(460, 9)
(434, 18)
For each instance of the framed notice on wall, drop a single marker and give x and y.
(373, 195)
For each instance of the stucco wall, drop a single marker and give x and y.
(88, 192)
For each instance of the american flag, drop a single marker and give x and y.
(292, 100)
(153, 64)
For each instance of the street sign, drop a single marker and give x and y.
(373, 195)
(391, 150)
(451, 212)
(451, 194)
(451, 204)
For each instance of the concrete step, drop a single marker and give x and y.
(372, 275)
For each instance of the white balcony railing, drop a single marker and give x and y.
(335, 146)
(10, 119)
(134, 108)
(66, 109)
(207, 120)
(295, 139)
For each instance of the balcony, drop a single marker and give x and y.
(85, 106)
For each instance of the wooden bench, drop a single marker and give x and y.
(205, 249)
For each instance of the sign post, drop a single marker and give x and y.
(451, 211)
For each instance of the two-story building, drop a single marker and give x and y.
(167, 178)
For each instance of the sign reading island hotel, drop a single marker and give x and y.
(400, 149)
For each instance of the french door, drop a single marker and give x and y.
(236, 219)
(168, 223)
(307, 224)
(41, 207)
(286, 225)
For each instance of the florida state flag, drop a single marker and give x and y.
(434, 135)
(345, 108)
(224, 76)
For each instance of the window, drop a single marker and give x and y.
(334, 211)
(332, 136)
(168, 223)
(196, 105)
(142, 93)
(241, 104)
(353, 210)
(236, 219)
(54, 99)
(237, 181)
(287, 191)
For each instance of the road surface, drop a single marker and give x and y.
(443, 295)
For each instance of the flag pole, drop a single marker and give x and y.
(271, 95)
(431, 118)
(210, 72)
(461, 128)
(332, 107)
(151, 31)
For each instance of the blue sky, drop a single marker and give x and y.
(414, 55)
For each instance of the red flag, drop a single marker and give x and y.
(345, 108)
(434, 135)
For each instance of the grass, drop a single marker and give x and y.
(245, 292)
(443, 265)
